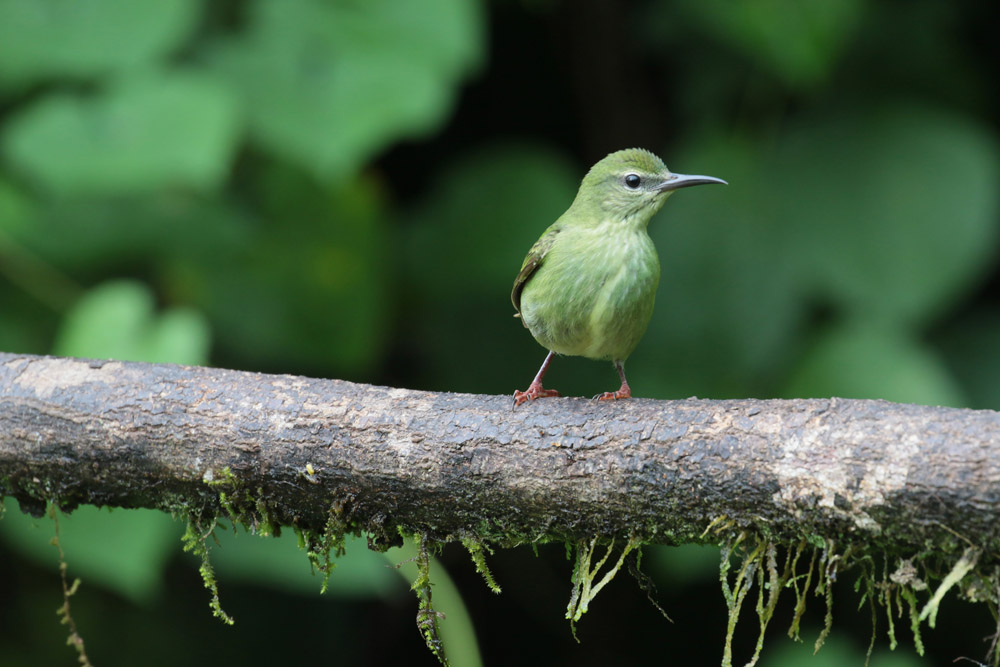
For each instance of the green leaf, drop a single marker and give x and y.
(328, 85)
(48, 39)
(894, 211)
(116, 320)
(124, 550)
(869, 362)
(153, 131)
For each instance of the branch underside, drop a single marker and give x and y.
(454, 466)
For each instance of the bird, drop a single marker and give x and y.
(587, 286)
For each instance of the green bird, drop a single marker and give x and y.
(588, 284)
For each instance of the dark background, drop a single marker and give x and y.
(347, 189)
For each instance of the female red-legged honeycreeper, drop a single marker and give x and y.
(588, 284)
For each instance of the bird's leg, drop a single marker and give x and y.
(535, 388)
(624, 392)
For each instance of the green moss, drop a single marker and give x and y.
(735, 593)
(800, 592)
(769, 579)
(899, 588)
(824, 587)
(911, 600)
(867, 582)
(964, 565)
(477, 549)
(242, 504)
(68, 590)
(886, 596)
(644, 582)
(749, 558)
(427, 617)
(195, 540)
(584, 574)
(322, 548)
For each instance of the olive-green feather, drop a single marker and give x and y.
(531, 263)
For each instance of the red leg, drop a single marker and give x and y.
(624, 392)
(535, 388)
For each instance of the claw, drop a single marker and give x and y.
(624, 392)
(535, 388)
(534, 391)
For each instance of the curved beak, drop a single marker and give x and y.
(678, 181)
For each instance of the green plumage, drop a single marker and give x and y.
(587, 286)
(591, 292)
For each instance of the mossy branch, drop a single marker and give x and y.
(833, 483)
(878, 476)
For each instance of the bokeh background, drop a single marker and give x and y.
(347, 188)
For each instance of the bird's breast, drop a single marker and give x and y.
(593, 295)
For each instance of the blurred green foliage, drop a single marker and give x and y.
(124, 550)
(327, 85)
(346, 189)
(66, 40)
(117, 319)
(143, 133)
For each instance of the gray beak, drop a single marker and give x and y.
(678, 181)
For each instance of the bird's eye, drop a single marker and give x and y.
(632, 181)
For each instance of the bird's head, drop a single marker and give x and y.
(631, 185)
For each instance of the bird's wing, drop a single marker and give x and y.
(531, 264)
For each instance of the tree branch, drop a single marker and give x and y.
(458, 465)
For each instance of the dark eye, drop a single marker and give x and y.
(632, 181)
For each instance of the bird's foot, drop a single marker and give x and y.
(533, 391)
(624, 392)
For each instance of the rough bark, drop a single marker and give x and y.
(458, 465)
